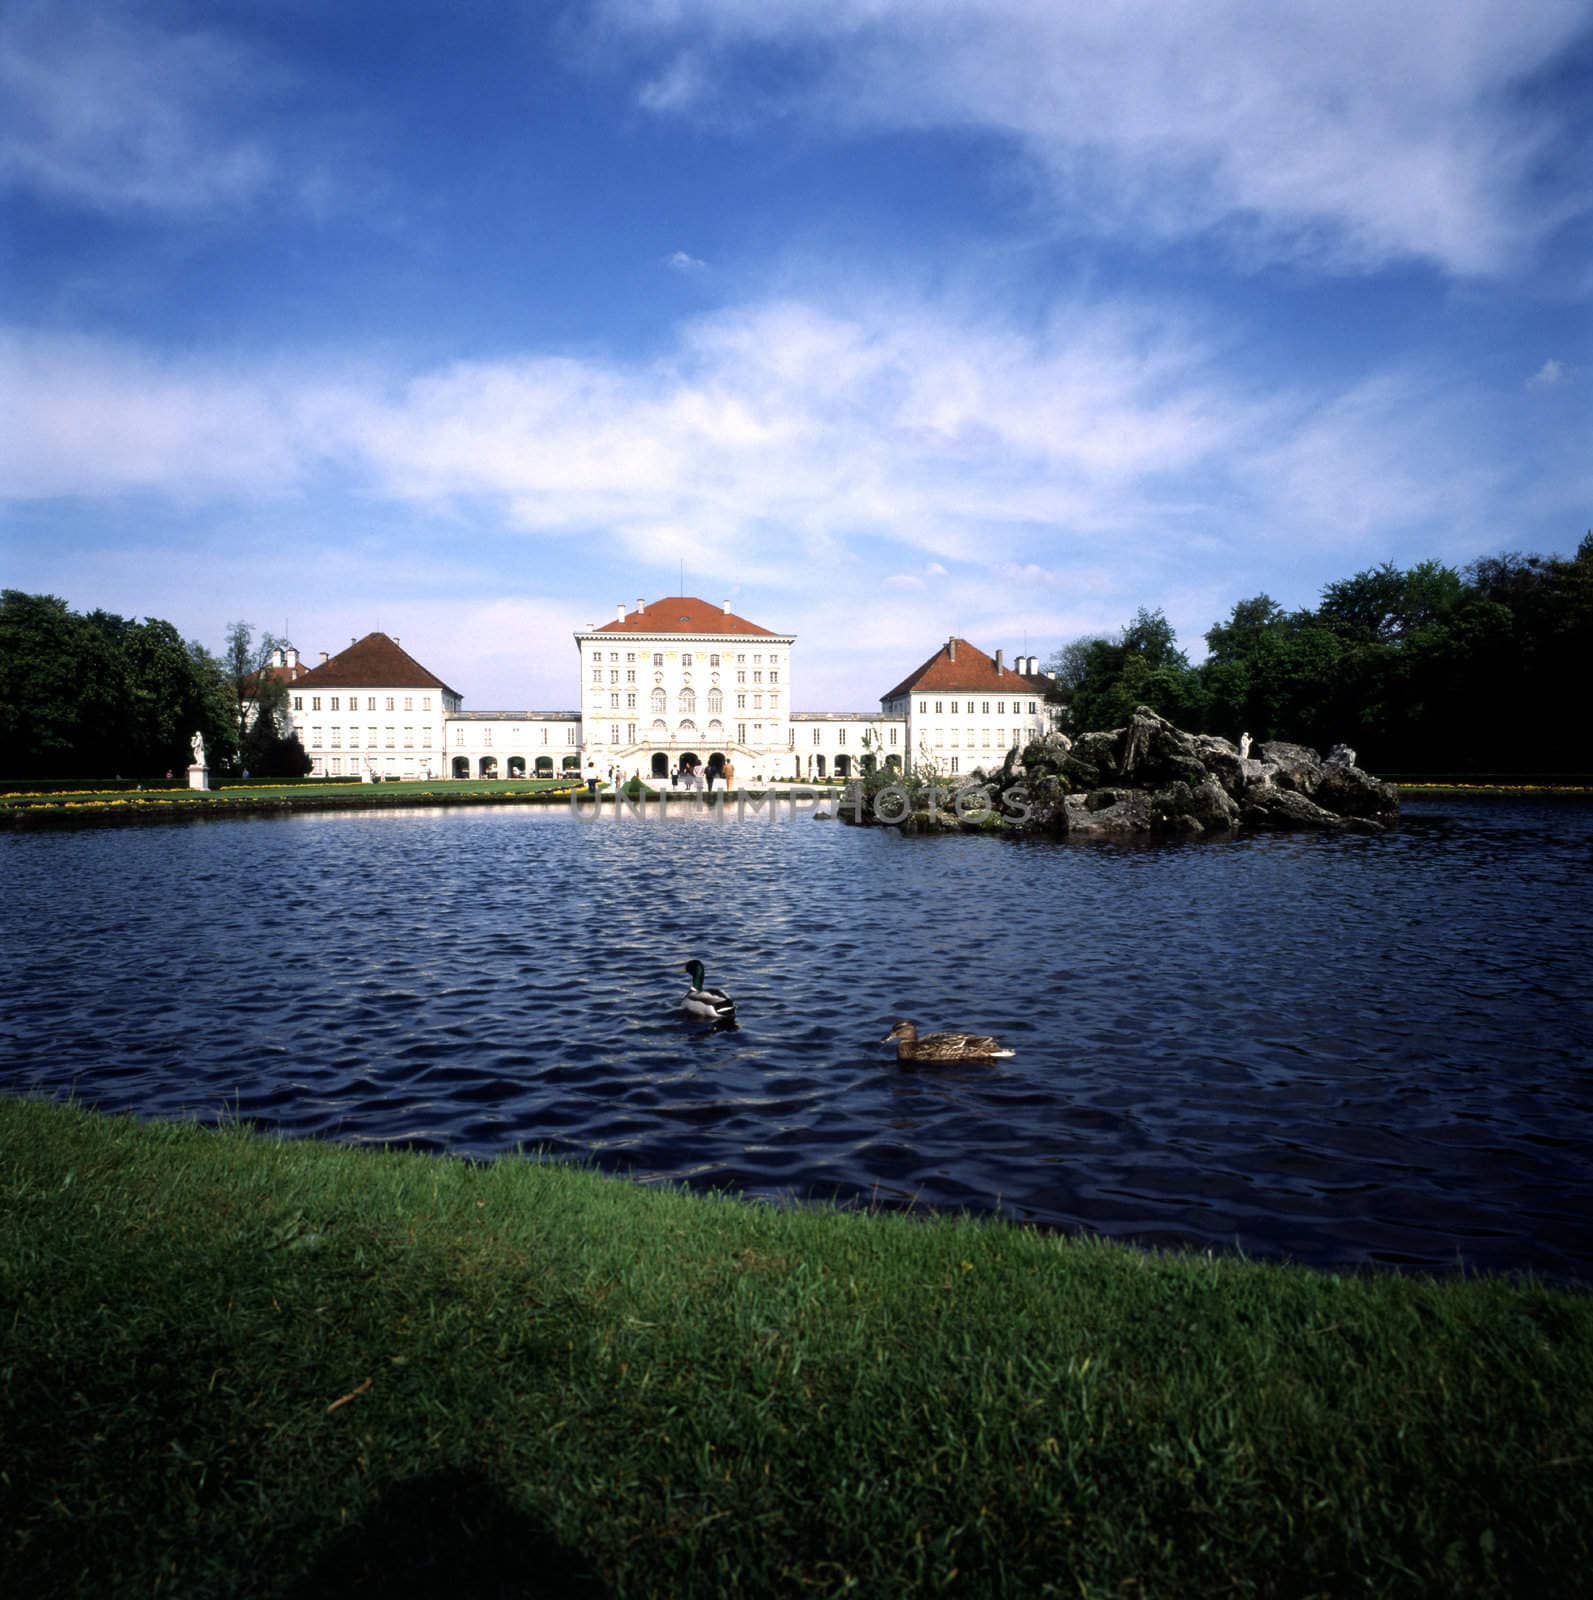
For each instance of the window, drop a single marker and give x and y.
(937, 708)
(630, 733)
(409, 738)
(337, 738)
(741, 677)
(741, 733)
(315, 738)
(954, 708)
(1031, 708)
(893, 736)
(613, 674)
(425, 702)
(392, 737)
(740, 658)
(984, 707)
(757, 702)
(840, 735)
(298, 702)
(337, 766)
(370, 738)
(572, 734)
(815, 736)
(370, 703)
(660, 700)
(685, 660)
(741, 702)
(390, 705)
(716, 700)
(774, 677)
(984, 738)
(688, 700)
(954, 763)
(757, 661)
(757, 677)
(923, 707)
(630, 674)
(713, 661)
(334, 703)
(630, 701)
(409, 702)
(544, 736)
(613, 700)
(613, 733)
(597, 674)
(658, 658)
(315, 703)
(459, 736)
(774, 699)
(954, 738)
(425, 738)
(630, 655)
(1001, 708)
(486, 738)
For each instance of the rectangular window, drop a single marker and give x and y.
(315, 738)
(1001, 708)
(613, 655)
(840, 736)
(409, 738)
(658, 658)
(984, 738)
(685, 660)
(741, 733)
(370, 738)
(337, 766)
(392, 737)
(757, 661)
(334, 705)
(544, 736)
(486, 738)
(757, 702)
(984, 706)
(613, 700)
(954, 708)
(774, 677)
(630, 655)
(613, 674)
(425, 738)
(713, 661)
(757, 677)
(1031, 708)
(409, 702)
(741, 677)
(893, 736)
(425, 702)
(390, 705)
(816, 735)
(741, 702)
(298, 702)
(954, 763)
(315, 703)
(630, 674)
(923, 707)
(937, 708)
(597, 674)
(572, 734)
(613, 733)
(630, 702)
(459, 736)
(954, 738)
(337, 738)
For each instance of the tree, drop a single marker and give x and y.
(257, 694)
(1143, 666)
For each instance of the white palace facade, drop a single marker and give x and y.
(676, 682)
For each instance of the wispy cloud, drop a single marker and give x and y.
(104, 109)
(1348, 135)
(1550, 373)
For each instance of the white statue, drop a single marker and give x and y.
(199, 749)
(1244, 746)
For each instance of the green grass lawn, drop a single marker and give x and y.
(235, 1365)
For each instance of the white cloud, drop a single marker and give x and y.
(1352, 134)
(680, 261)
(103, 109)
(1550, 373)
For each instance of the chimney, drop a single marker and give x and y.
(293, 657)
(998, 660)
(951, 647)
(276, 658)
(640, 603)
(620, 612)
(727, 608)
(324, 658)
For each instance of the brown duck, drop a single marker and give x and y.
(943, 1046)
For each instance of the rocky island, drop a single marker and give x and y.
(1146, 778)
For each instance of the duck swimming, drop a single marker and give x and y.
(943, 1046)
(711, 1005)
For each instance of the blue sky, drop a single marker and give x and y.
(887, 320)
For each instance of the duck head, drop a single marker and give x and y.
(695, 969)
(902, 1030)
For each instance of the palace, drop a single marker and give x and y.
(676, 682)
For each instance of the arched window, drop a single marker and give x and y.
(716, 702)
(660, 700)
(688, 700)
(716, 732)
(659, 730)
(688, 729)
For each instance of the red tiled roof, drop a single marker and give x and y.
(972, 669)
(374, 662)
(251, 680)
(681, 614)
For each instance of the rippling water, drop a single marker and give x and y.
(1336, 1050)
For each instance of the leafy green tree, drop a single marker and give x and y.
(1143, 666)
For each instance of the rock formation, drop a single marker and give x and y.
(1150, 778)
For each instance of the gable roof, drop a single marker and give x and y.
(682, 614)
(374, 662)
(958, 665)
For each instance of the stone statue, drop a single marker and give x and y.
(1244, 746)
(199, 749)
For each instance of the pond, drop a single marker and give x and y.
(1339, 1051)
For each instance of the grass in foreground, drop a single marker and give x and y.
(241, 1366)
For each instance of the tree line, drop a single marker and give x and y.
(102, 696)
(1426, 669)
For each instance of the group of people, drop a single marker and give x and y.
(688, 774)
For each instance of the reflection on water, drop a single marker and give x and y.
(1337, 1050)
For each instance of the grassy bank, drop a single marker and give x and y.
(93, 808)
(235, 1365)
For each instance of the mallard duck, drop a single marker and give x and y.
(712, 1005)
(943, 1046)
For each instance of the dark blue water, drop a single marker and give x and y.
(1340, 1051)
